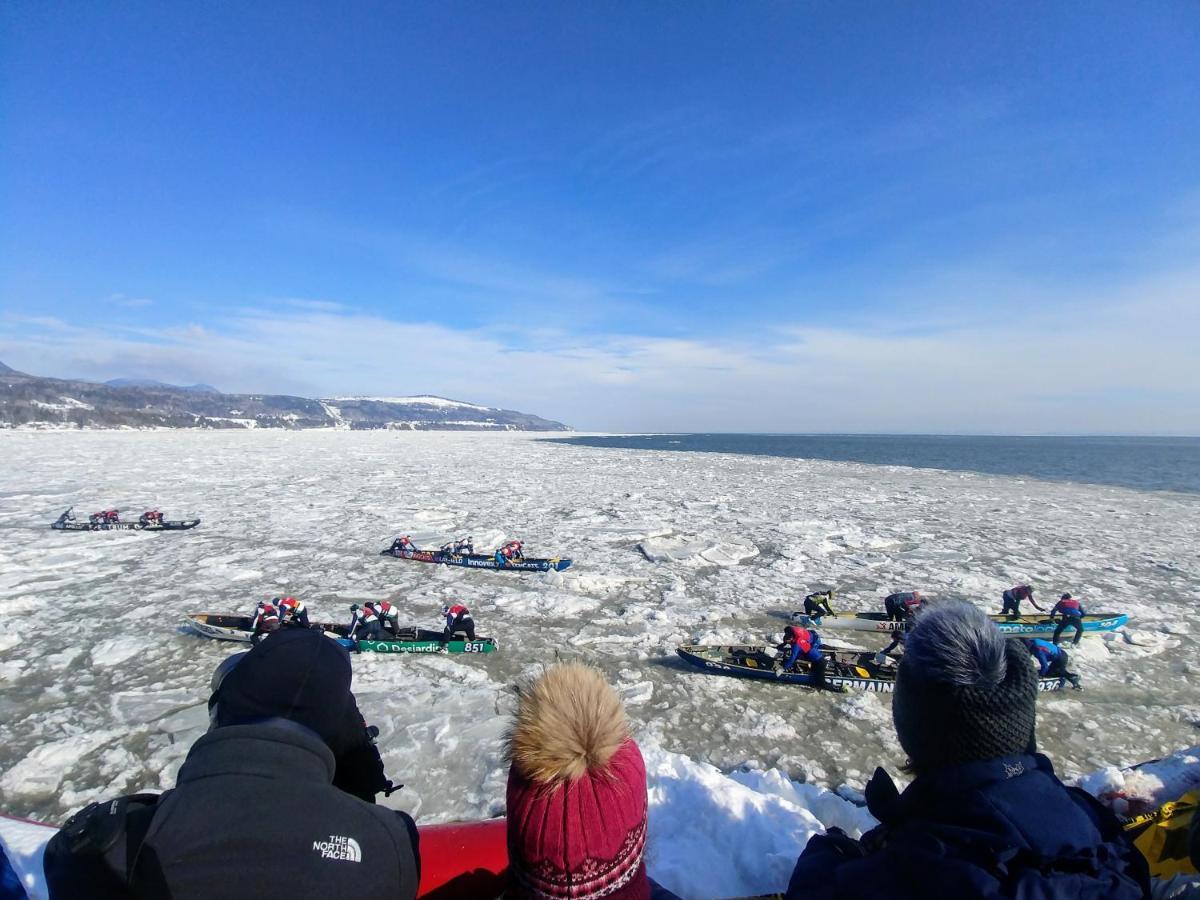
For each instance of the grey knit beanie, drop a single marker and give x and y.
(963, 692)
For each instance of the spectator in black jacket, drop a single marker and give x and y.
(276, 800)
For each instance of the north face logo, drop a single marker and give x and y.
(1012, 770)
(339, 847)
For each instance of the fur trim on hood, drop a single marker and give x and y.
(569, 722)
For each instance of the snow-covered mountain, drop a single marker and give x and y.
(34, 401)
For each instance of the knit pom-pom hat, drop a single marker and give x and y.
(963, 692)
(576, 792)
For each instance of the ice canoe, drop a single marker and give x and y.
(851, 671)
(67, 522)
(479, 560)
(1039, 626)
(222, 627)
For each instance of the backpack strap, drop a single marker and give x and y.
(94, 853)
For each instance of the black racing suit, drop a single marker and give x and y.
(462, 622)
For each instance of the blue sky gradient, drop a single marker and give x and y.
(869, 217)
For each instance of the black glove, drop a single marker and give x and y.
(360, 772)
(837, 841)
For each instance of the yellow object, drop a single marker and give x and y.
(1162, 836)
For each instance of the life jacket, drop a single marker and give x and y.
(291, 604)
(366, 616)
(794, 634)
(1021, 592)
(456, 615)
(385, 609)
(1071, 607)
(912, 601)
(267, 614)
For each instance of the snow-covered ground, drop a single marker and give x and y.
(102, 692)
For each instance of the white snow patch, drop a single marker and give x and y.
(717, 835)
(43, 769)
(115, 651)
(421, 400)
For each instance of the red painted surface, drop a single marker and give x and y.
(463, 860)
(459, 860)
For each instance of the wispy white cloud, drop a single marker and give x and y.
(124, 300)
(1124, 361)
(315, 305)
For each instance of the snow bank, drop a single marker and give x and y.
(717, 835)
(1136, 790)
(23, 844)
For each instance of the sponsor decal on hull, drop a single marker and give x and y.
(424, 646)
(395, 647)
(862, 684)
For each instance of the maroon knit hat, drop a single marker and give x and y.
(576, 792)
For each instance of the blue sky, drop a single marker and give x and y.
(738, 216)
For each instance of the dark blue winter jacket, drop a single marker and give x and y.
(1004, 827)
(1045, 653)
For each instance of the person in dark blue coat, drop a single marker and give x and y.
(985, 816)
(1052, 661)
(804, 644)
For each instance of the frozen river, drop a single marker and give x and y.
(101, 691)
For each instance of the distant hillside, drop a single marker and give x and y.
(151, 383)
(33, 401)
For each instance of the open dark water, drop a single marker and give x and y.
(1145, 463)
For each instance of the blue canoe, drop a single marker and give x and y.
(1030, 626)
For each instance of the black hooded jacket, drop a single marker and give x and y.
(254, 814)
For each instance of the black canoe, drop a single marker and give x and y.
(68, 522)
(853, 671)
